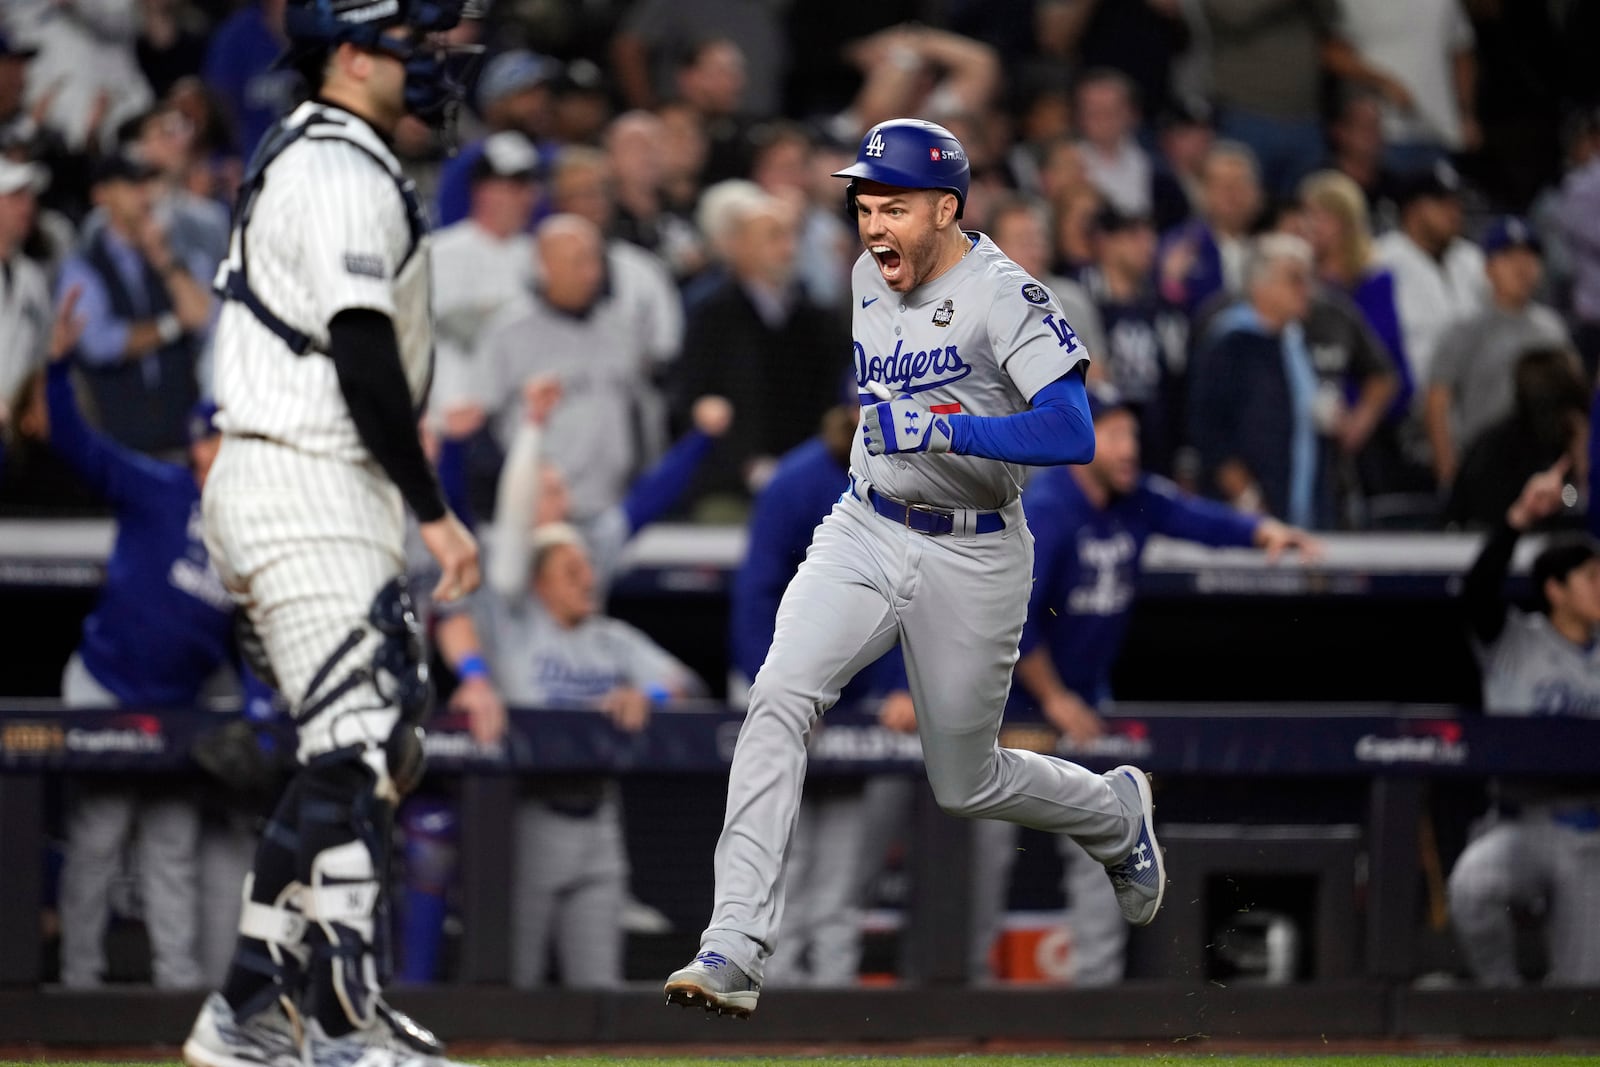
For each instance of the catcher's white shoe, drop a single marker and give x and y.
(268, 1038)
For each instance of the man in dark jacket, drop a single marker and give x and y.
(1253, 395)
(759, 341)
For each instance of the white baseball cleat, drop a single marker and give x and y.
(1140, 877)
(268, 1038)
(377, 1046)
(715, 983)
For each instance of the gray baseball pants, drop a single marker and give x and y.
(956, 605)
(165, 828)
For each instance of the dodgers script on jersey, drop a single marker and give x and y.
(329, 232)
(980, 339)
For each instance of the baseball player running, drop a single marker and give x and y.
(968, 370)
(323, 358)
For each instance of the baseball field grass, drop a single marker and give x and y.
(1178, 1059)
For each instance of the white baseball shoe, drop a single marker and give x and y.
(714, 982)
(269, 1038)
(378, 1046)
(1140, 877)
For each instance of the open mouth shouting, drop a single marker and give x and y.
(890, 265)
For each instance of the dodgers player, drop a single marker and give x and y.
(323, 358)
(927, 547)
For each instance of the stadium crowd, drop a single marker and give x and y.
(1337, 271)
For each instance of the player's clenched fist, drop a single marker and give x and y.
(903, 425)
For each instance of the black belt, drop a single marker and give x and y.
(927, 519)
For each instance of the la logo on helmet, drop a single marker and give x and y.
(875, 145)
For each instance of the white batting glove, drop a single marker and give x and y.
(903, 425)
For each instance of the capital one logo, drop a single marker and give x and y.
(875, 145)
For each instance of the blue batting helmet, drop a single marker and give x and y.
(433, 70)
(911, 154)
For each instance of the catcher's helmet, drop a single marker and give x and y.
(910, 154)
(433, 70)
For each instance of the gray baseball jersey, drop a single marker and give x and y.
(981, 339)
(1530, 669)
(538, 662)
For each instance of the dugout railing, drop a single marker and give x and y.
(1396, 752)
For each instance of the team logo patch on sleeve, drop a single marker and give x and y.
(365, 263)
(1034, 293)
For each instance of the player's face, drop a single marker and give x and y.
(1579, 594)
(1116, 452)
(901, 228)
(565, 583)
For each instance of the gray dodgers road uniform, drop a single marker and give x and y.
(571, 877)
(1548, 850)
(956, 603)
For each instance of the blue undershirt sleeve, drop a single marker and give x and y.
(1057, 429)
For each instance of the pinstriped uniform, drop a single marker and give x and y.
(302, 523)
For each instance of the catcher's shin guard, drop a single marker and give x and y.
(269, 961)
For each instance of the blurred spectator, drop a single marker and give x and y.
(1266, 79)
(513, 93)
(196, 226)
(1185, 138)
(533, 492)
(1117, 164)
(1021, 227)
(635, 143)
(218, 167)
(582, 184)
(145, 312)
(761, 342)
(1141, 40)
(711, 80)
(984, 135)
(588, 342)
(172, 42)
(549, 646)
(240, 67)
(1207, 255)
(16, 124)
(1146, 339)
(1074, 212)
(1521, 95)
(1253, 391)
(786, 162)
(649, 51)
(1535, 852)
(25, 310)
(85, 81)
(1549, 420)
(917, 70)
(1580, 228)
(1356, 388)
(1356, 137)
(163, 625)
(1339, 229)
(581, 104)
(484, 263)
(1397, 488)
(821, 939)
(1092, 523)
(683, 155)
(1438, 275)
(1419, 56)
(1468, 386)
